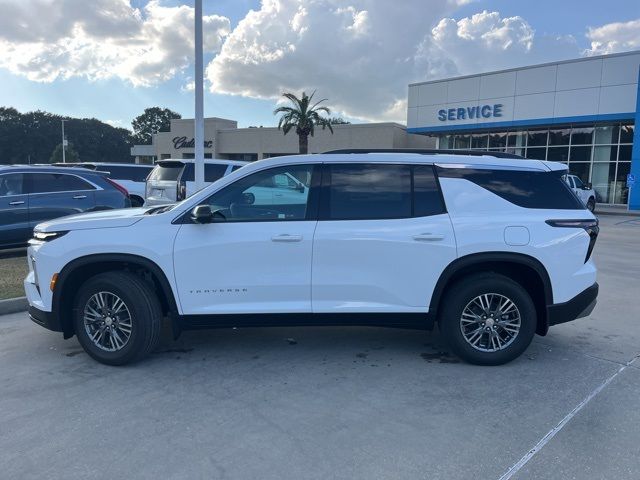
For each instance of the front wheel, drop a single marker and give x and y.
(117, 318)
(488, 319)
(591, 204)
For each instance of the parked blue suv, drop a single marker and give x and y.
(30, 195)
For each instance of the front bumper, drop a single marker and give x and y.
(579, 306)
(45, 319)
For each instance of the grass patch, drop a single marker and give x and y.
(13, 269)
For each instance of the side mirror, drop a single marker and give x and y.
(202, 214)
(587, 186)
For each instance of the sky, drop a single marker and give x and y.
(110, 59)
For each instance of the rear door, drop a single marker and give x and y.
(53, 195)
(14, 210)
(382, 240)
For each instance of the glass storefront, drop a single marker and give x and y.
(598, 154)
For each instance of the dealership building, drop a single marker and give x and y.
(581, 112)
(223, 139)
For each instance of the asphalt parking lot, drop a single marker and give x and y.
(318, 403)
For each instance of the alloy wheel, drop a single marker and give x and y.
(490, 322)
(107, 321)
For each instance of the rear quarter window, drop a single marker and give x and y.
(528, 189)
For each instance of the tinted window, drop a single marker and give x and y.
(254, 198)
(213, 172)
(166, 171)
(523, 188)
(426, 193)
(56, 182)
(364, 191)
(189, 174)
(126, 172)
(11, 184)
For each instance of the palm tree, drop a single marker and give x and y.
(304, 117)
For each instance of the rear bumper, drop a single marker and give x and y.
(45, 319)
(579, 306)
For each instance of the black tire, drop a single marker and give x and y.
(591, 204)
(465, 291)
(145, 313)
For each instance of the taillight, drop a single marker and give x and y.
(181, 192)
(118, 186)
(590, 226)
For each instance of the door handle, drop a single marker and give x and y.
(428, 237)
(79, 197)
(285, 237)
(17, 202)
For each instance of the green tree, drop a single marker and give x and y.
(338, 121)
(153, 120)
(70, 154)
(304, 117)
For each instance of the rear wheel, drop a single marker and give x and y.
(117, 318)
(591, 204)
(488, 319)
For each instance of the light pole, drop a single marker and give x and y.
(64, 143)
(199, 120)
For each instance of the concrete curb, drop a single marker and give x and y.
(13, 305)
(615, 211)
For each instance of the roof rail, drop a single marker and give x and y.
(427, 151)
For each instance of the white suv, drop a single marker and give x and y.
(492, 249)
(584, 191)
(173, 180)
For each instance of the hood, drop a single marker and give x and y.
(103, 219)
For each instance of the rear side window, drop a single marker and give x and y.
(523, 188)
(56, 182)
(367, 191)
(126, 172)
(166, 171)
(213, 171)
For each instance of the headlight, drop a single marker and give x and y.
(47, 236)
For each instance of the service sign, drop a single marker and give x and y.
(470, 113)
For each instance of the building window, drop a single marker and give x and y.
(600, 154)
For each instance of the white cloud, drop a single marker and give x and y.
(614, 37)
(45, 40)
(484, 42)
(361, 54)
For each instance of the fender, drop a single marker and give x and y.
(135, 260)
(490, 257)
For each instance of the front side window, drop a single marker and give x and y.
(11, 184)
(256, 198)
(56, 182)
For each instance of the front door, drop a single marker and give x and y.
(382, 241)
(14, 210)
(256, 256)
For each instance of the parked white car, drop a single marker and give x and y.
(493, 249)
(584, 191)
(173, 180)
